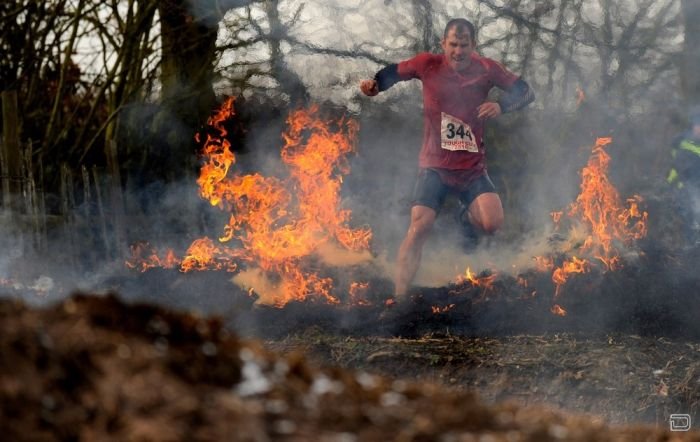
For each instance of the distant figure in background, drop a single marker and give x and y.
(456, 84)
(684, 176)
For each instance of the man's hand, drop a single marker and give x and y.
(369, 87)
(489, 110)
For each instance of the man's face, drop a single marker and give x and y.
(458, 46)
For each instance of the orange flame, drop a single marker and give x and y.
(561, 274)
(277, 223)
(598, 205)
(607, 222)
(558, 310)
(145, 256)
(358, 293)
(477, 281)
(543, 263)
(436, 309)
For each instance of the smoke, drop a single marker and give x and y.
(255, 279)
(336, 256)
(534, 158)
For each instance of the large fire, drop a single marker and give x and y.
(274, 223)
(277, 225)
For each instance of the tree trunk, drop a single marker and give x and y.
(690, 67)
(289, 81)
(188, 32)
(187, 73)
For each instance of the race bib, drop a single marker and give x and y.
(455, 134)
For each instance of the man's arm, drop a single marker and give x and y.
(387, 77)
(383, 80)
(516, 97)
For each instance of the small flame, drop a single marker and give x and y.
(145, 257)
(444, 309)
(485, 282)
(558, 310)
(543, 263)
(204, 254)
(358, 293)
(568, 267)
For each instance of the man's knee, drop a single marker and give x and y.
(491, 225)
(486, 213)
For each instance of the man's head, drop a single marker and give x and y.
(458, 42)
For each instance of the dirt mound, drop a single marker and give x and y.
(95, 368)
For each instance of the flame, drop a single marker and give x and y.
(358, 293)
(145, 256)
(558, 310)
(561, 274)
(600, 219)
(543, 263)
(599, 207)
(274, 223)
(204, 254)
(436, 309)
(485, 282)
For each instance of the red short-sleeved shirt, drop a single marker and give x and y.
(452, 133)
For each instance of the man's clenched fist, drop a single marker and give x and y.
(369, 87)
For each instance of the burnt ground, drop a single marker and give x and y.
(620, 379)
(95, 368)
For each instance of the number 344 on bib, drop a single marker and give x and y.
(455, 134)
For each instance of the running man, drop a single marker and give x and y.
(456, 84)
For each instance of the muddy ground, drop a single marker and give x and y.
(620, 379)
(93, 367)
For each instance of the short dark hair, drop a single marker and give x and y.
(460, 24)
